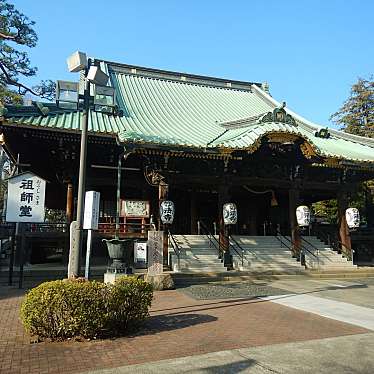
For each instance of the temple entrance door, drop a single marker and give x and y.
(207, 209)
(257, 216)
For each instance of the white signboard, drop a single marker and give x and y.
(91, 210)
(26, 198)
(135, 208)
(140, 252)
(155, 241)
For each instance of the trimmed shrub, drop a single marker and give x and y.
(69, 308)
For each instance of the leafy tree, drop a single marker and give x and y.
(356, 116)
(16, 32)
(327, 210)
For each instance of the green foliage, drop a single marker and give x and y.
(8, 96)
(71, 308)
(356, 116)
(55, 215)
(327, 210)
(46, 89)
(360, 199)
(16, 29)
(130, 299)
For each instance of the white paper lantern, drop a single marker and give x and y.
(167, 212)
(352, 216)
(230, 214)
(303, 216)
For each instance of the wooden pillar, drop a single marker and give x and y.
(223, 197)
(293, 195)
(193, 196)
(69, 202)
(163, 190)
(344, 237)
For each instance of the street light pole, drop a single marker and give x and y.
(74, 268)
(68, 92)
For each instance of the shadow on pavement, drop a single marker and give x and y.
(232, 367)
(156, 324)
(251, 299)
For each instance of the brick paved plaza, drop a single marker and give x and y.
(179, 326)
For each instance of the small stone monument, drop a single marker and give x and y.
(155, 274)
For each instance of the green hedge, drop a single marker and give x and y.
(68, 308)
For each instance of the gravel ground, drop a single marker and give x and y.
(230, 290)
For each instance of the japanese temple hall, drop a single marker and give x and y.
(199, 142)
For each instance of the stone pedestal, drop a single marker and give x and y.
(160, 281)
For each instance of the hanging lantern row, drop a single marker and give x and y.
(352, 216)
(167, 212)
(230, 214)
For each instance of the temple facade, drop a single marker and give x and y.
(199, 142)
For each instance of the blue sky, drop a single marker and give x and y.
(310, 51)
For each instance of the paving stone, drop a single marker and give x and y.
(230, 290)
(179, 326)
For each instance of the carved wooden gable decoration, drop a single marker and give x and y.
(279, 115)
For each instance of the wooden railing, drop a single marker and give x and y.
(124, 228)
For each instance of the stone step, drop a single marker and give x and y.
(189, 262)
(267, 257)
(279, 268)
(334, 264)
(202, 266)
(203, 270)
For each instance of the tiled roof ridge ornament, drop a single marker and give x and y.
(323, 133)
(279, 115)
(44, 111)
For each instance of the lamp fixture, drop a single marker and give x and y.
(273, 201)
(104, 99)
(97, 76)
(67, 94)
(77, 62)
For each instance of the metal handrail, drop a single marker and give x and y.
(332, 241)
(241, 249)
(329, 238)
(302, 247)
(212, 239)
(175, 246)
(311, 244)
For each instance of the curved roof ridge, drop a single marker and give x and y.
(175, 75)
(311, 126)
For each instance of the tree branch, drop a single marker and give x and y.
(7, 37)
(12, 82)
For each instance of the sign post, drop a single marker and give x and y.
(90, 222)
(25, 204)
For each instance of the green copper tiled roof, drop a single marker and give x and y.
(170, 109)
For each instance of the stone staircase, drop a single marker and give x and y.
(325, 258)
(264, 254)
(197, 255)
